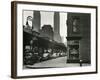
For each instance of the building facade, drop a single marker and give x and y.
(78, 37)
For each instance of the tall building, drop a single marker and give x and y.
(57, 36)
(36, 21)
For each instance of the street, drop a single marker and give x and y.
(57, 62)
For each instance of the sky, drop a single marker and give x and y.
(48, 18)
